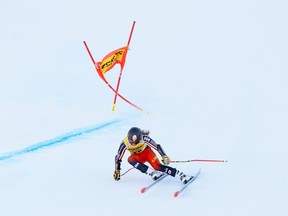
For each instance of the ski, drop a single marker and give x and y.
(192, 179)
(144, 189)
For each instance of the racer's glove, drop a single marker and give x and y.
(117, 175)
(165, 160)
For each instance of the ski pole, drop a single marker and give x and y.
(196, 160)
(127, 171)
(181, 161)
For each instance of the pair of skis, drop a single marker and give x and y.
(176, 193)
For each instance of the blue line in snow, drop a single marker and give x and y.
(57, 140)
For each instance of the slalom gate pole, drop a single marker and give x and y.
(120, 75)
(90, 54)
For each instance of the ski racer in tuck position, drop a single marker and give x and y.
(140, 145)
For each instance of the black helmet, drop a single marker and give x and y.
(134, 135)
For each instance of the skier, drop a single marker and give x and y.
(140, 145)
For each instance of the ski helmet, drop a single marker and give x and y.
(134, 135)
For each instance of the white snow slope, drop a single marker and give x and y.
(211, 74)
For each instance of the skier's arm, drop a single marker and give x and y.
(118, 160)
(157, 147)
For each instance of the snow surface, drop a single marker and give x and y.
(212, 74)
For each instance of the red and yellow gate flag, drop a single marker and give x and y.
(120, 58)
(110, 60)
